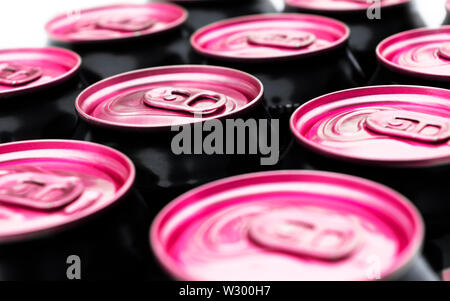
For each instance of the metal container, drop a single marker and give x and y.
(369, 22)
(419, 57)
(142, 112)
(396, 135)
(37, 90)
(65, 198)
(118, 38)
(290, 225)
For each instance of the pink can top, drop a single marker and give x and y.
(49, 185)
(269, 36)
(166, 96)
(342, 5)
(419, 52)
(287, 225)
(382, 125)
(116, 22)
(30, 69)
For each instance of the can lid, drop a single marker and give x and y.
(49, 185)
(287, 225)
(29, 69)
(404, 126)
(269, 36)
(343, 5)
(421, 52)
(166, 96)
(115, 22)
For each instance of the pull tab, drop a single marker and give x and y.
(444, 51)
(281, 40)
(16, 75)
(127, 24)
(41, 191)
(176, 99)
(307, 233)
(410, 125)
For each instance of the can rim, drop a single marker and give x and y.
(291, 3)
(211, 54)
(407, 70)
(120, 193)
(54, 81)
(61, 38)
(116, 125)
(317, 148)
(400, 266)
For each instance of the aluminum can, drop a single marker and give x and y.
(415, 57)
(37, 90)
(118, 38)
(143, 112)
(369, 22)
(68, 210)
(290, 225)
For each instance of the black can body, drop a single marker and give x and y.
(204, 12)
(45, 114)
(384, 76)
(163, 175)
(111, 245)
(368, 31)
(108, 58)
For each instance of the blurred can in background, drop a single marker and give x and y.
(118, 38)
(370, 22)
(396, 135)
(417, 57)
(68, 211)
(292, 226)
(162, 118)
(204, 12)
(38, 87)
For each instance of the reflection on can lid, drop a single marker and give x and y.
(165, 96)
(47, 185)
(342, 5)
(383, 125)
(269, 36)
(29, 69)
(287, 225)
(116, 22)
(421, 52)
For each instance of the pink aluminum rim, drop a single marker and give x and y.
(52, 27)
(57, 65)
(416, 53)
(215, 193)
(341, 103)
(110, 167)
(340, 6)
(133, 82)
(341, 30)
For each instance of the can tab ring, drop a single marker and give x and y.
(16, 75)
(177, 99)
(40, 191)
(410, 125)
(281, 40)
(126, 24)
(313, 234)
(444, 51)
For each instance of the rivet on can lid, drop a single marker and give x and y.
(410, 125)
(128, 24)
(444, 51)
(282, 40)
(16, 74)
(170, 98)
(313, 234)
(43, 191)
